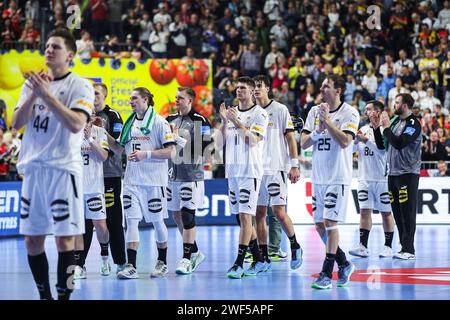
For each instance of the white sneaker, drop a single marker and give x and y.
(79, 273)
(160, 270)
(197, 258)
(184, 267)
(404, 256)
(129, 272)
(360, 251)
(276, 256)
(105, 267)
(120, 267)
(386, 253)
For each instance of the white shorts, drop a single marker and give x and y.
(273, 190)
(52, 202)
(243, 194)
(94, 206)
(149, 202)
(185, 194)
(330, 202)
(374, 195)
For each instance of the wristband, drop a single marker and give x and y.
(314, 135)
(294, 163)
(148, 154)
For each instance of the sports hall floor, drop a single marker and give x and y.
(427, 278)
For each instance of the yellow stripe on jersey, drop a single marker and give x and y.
(168, 137)
(290, 124)
(316, 122)
(257, 129)
(105, 145)
(84, 103)
(351, 126)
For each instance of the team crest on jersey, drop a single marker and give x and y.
(117, 127)
(410, 131)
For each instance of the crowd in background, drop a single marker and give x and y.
(296, 42)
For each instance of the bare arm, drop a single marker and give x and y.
(292, 144)
(168, 152)
(343, 138)
(224, 121)
(99, 152)
(250, 138)
(114, 145)
(23, 113)
(309, 139)
(294, 172)
(165, 153)
(73, 120)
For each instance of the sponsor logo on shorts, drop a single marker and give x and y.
(186, 194)
(154, 205)
(95, 204)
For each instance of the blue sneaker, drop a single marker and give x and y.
(235, 272)
(255, 268)
(297, 262)
(344, 274)
(322, 282)
(267, 265)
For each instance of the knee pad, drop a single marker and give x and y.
(188, 218)
(160, 231)
(132, 234)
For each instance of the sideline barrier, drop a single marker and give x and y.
(433, 204)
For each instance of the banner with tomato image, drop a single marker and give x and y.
(161, 76)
